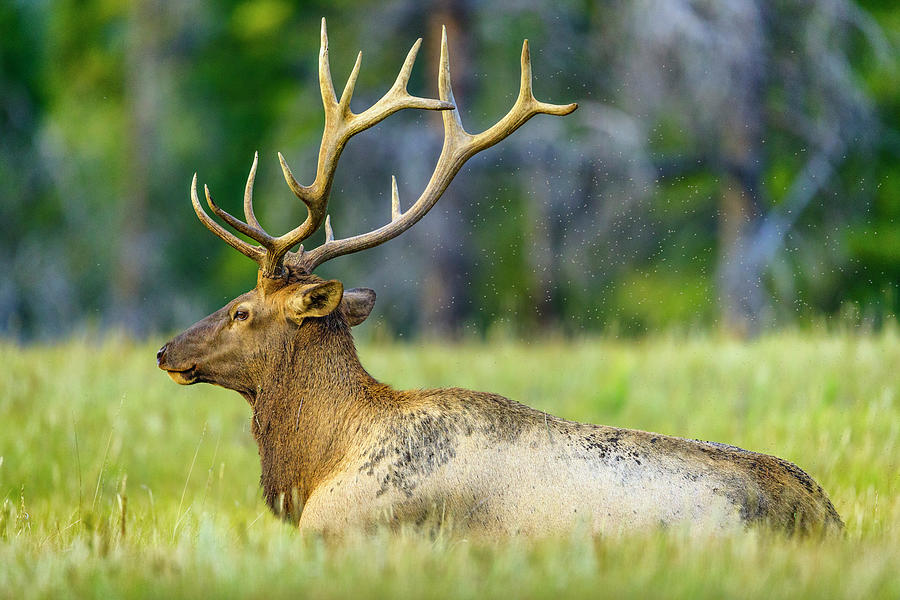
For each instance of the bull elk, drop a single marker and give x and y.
(339, 450)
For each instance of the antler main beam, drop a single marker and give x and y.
(459, 146)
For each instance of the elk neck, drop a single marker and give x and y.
(316, 399)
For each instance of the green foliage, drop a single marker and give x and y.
(114, 482)
(108, 108)
(661, 300)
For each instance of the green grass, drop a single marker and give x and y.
(115, 482)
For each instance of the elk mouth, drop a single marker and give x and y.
(183, 376)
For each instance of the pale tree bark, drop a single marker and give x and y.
(141, 103)
(743, 299)
(543, 254)
(444, 294)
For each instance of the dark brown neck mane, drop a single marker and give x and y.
(318, 396)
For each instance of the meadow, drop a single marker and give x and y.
(115, 482)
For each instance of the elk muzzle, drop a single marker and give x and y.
(179, 374)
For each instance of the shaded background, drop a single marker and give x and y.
(733, 163)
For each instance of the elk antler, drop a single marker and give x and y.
(459, 146)
(340, 125)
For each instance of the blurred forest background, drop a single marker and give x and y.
(733, 164)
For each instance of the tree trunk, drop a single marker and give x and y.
(542, 255)
(743, 299)
(445, 294)
(142, 108)
(742, 296)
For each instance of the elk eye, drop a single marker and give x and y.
(241, 315)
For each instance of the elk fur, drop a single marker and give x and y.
(341, 451)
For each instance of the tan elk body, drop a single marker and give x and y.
(340, 451)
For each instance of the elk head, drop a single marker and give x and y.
(289, 302)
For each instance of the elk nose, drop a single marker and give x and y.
(161, 354)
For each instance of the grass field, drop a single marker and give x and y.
(115, 482)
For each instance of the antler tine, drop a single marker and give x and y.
(254, 252)
(396, 98)
(326, 85)
(329, 233)
(347, 94)
(395, 200)
(525, 107)
(260, 236)
(458, 147)
(248, 195)
(454, 132)
(309, 197)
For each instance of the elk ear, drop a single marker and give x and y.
(357, 304)
(314, 300)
